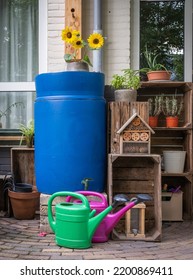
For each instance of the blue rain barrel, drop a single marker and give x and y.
(70, 131)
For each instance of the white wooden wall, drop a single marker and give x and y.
(115, 25)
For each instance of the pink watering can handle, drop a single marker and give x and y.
(94, 194)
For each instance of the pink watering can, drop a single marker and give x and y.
(109, 222)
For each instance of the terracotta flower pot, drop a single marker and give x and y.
(153, 121)
(172, 121)
(159, 75)
(24, 204)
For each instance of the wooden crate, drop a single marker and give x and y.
(181, 90)
(134, 174)
(22, 165)
(118, 114)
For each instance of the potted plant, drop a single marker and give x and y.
(23, 199)
(27, 133)
(126, 85)
(155, 108)
(74, 43)
(172, 109)
(155, 70)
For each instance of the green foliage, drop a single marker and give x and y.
(28, 133)
(130, 79)
(162, 28)
(152, 63)
(155, 105)
(172, 107)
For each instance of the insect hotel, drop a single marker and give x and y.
(135, 136)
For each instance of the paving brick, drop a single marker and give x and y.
(20, 240)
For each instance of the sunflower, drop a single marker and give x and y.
(69, 35)
(78, 43)
(95, 41)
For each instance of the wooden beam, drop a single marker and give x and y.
(73, 18)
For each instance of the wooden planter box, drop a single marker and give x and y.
(22, 165)
(134, 174)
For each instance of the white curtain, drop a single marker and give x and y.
(18, 57)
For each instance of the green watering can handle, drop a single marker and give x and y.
(81, 197)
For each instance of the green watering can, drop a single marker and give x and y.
(75, 223)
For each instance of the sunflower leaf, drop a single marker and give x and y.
(87, 60)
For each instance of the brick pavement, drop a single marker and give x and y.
(19, 240)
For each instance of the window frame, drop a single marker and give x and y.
(135, 35)
(30, 86)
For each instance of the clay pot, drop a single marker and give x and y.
(172, 121)
(153, 121)
(24, 204)
(159, 75)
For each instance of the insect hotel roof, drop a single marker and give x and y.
(135, 135)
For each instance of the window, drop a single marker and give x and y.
(19, 59)
(165, 27)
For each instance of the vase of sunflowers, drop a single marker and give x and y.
(74, 43)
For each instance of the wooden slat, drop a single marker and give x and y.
(10, 138)
(143, 177)
(22, 165)
(73, 18)
(119, 113)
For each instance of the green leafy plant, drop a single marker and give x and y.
(152, 63)
(27, 133)
(155, 105)
(130, 79)
(172, 107)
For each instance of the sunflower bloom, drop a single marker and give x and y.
(78, 43)
(95, 41)
(69, 35)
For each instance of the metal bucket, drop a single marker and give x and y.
(174, 161)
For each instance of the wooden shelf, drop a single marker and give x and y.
(178, 138)
(133, 174)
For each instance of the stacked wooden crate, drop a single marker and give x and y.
(133, 173)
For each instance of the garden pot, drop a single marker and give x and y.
(24, 204)
(77, 66)
(158, 75)
(174, 161)
(153, 121)
(172, 121)
(22, 187)
(125, 95)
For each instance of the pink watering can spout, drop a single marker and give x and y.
(110, 220)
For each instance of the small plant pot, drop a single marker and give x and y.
(158, 75)
(23, 187)
(153, 121)
(125, 95)
(77, 66)
(172, 121)
(24, 205)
